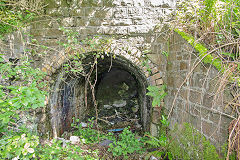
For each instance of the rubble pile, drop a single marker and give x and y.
(117, 97)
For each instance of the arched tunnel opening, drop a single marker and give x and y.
(117, 97)
(120, 93)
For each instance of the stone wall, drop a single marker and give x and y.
(194, 91)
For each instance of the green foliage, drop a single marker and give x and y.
(126, 144)
(158, 93)
(165, 53)
(96, 47)
(21, 91)
(89, 134)
(188, 143)
(12, 19)
(161, 142)
(145, 63)
(185, 143)
(224, 151)
(59, 151)
(207, 58)
(219, 19)
(230, 18)
(20, 146)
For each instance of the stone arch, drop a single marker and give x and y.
(67, 99)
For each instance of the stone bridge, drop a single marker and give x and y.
(136, 25)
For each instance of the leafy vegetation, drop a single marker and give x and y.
(184, 143)
(126, 144)
(22, 91)
(58, 149)
(161, 142)
(13, 18)
(158, 94)
(188, 143)
(20, 146)
(89, 134)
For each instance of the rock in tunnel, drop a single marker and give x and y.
(120, 93)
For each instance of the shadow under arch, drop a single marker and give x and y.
(68, 96)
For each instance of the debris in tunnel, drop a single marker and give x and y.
(118, 104)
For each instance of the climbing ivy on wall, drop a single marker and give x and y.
(203, 51)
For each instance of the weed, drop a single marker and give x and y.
(126, 144)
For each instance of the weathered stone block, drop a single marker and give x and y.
(172, 56)
(194, 110)
(215, 117)
(180, 104)
(122, 22)
(178, 81)
(208, 100)
(195, 121)
(159, 82)
(170, 66)
(205, 113)
(170, 81)
(122, 30)
(93, 22)
(199, 80)
(37, 33)
(227, 95)
(64, 11)
(53, 41)
(53, 12)
(80, 12)
(179, 57)
(154, 129)
(108, 3)
(156, 117)
(53, 4)
(155, 58)
(183, 66)
(184, 94)
(140, 29)
(120, 12)
(225, 121)
(90, 30)
(135, 11)
(81, 21)
(156, 76)
(104, 13)
(208, 128)
(89, 11)
(54, 33)
(195, 96)
(186, 57)
(212, 86)
(91, 3)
